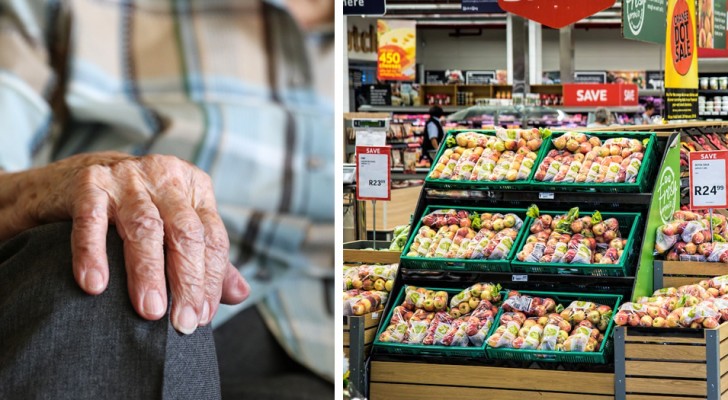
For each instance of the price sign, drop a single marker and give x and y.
(373, 173)
(708, 179)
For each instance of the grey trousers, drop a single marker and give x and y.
(56, 342)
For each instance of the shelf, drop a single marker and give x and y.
(710, 92)
(540, 196)
(617, 109)
(412, 109)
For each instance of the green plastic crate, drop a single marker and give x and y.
(628, 225)
(599, 357)
(641, 185)
(456, 264)
(425, 350)
(481, 185)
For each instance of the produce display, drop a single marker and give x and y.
(702, 305)
(535, 323)
(570, 239)
(473, 156)
(693, 236)
(400, 233)
(461, 234)
(366, 287)
(577, 157)
(428, 317)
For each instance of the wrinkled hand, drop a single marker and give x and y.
(161, 206)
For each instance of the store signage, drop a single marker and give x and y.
(365, 7)
(654, 79)
(594, 94)
(480, 6)
(681, 61)
(397, 42)
(373, 173)
(555, 13)
(644, 20)
(590, 77)
(708, 179)
(712, 24)
(380, 95)
(362, 42)
(480, 77)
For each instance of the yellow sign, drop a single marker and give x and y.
(681, 61)
(396, 54)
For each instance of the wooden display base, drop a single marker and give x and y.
(679, 273)
(669, 364)
(417, 381)
(354, 253)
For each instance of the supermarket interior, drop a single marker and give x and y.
(535, 199)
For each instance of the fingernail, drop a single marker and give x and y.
(94, 280)
(243, 287)
(187, 320)
(205, 318)
(153, 303)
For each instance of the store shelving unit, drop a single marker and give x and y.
(542, 375)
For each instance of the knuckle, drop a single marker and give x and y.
(145, 224)
(148, 274)
(187, 232)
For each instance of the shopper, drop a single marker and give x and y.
(434, 133)
(225, 85)
(647, 115)
(601, 118)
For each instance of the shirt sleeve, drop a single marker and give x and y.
(431, 130)
(26, 78)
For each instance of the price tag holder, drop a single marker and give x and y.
(373, 179)
(708, 179)
(519, 278)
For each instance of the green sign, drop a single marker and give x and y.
(719, 25)
(644, 20)
(665, 201)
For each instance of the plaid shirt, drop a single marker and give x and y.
(222, 83)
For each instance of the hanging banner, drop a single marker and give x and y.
(397, 47)
(555, 13)
(711, 24)
(681, 61)
(365, 7)
(644, 20)
(480, 6)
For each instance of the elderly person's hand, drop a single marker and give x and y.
(161, 206)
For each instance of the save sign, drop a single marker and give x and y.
(708, 179)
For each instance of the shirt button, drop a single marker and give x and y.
(314, 163)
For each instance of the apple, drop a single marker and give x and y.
(646, 321)
(621, 318)
(379, 284)
(389, 285)
(710, 323)
(578, 316)
(498, 225)
(610, 235)
(659, 322)
(509, 221)
(473, 303)
(691, 248)
(633, 319)
(594, 317)
(428, 305)
(476, 290)
(572, 145)
(599, 229)
(455, 312)
(671, 321)
(464, 308)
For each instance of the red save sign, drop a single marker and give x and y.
(708, 179)
(600, 94)
(555, 13)
(373, 173)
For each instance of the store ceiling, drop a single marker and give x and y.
(447, 14)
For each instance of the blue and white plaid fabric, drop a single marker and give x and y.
(228, 85)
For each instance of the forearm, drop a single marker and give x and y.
(434, 143)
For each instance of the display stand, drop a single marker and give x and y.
(409, 377)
